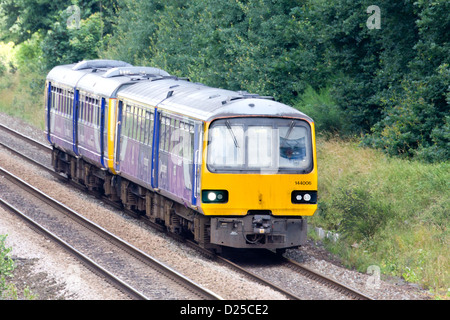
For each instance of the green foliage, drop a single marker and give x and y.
(363, 213)
(327, 115)
(63, 45)
(389, 212)
(415, 107)
(6, 265)
(35, 16)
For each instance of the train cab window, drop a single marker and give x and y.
(259, 144)
(226, 149)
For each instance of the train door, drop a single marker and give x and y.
(48, 105)
(75, 121)
(118, 140)
(102, 132)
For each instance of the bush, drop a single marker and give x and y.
(363, 213)
(6, 266)
(320, 106)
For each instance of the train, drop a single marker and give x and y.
(225, 168)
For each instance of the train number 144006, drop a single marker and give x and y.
(303, 183)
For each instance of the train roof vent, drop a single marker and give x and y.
(98, 64)
(134, 71)
(246, 95)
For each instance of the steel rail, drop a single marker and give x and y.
(258, 279)
(24, 137)
(96, 268)
(314, 275)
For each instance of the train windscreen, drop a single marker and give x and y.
(267, 145)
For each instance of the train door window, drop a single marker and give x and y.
(66, 101)
(178, 138)
(69, 104)
(85, 109)
(89, 113)
(135, 123)
(135, 126)
(142, 125)
(90, 109)
(148, 127)
(162, 133)
(60, 99)
(64, 98)
(81, 107)
(174, 135)
(94, 112)
(139, 124)
(130, 122)
(126, 121)
(55, 98)
(52, 98)
(97, 113)
(66, 105)
(58, 102)
(187, 142)
(167, 137)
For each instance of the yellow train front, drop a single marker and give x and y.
(258, 175)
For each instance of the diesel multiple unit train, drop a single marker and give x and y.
(227, 168)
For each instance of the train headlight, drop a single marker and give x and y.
(304, 197)
(214, 196)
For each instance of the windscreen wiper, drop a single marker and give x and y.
(291, 126)
(232, 133)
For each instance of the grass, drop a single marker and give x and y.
(390, 212)
(22, 96)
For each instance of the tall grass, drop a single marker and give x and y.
(22, 96)
(391, 212)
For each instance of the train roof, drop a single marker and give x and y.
(155, 87)
(102, 77)
(203, 102)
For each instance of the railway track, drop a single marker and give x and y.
(128, 259)
(297, 269)
(264, 267)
